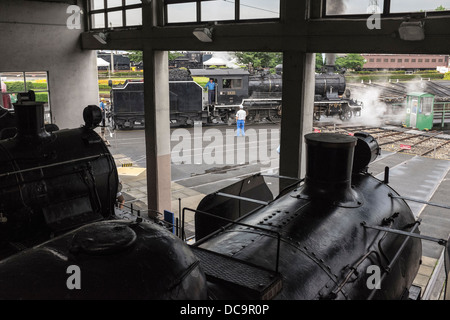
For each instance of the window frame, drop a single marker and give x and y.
(48, 109)
(386, 12)
(199, 20)
(123, 8)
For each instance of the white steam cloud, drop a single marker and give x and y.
(373, 110)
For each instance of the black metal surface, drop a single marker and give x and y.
(271, 83)
(7, 121)
(447, 270)
(329, 85)
(254, 187)
(328, 169)
(52, 182)
(366, 151)
(116, 260)
(250, 280)
(325, 251)
(185, 96)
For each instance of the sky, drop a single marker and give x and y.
(218, 10)
(360, 6)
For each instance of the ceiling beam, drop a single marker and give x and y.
(293, 32)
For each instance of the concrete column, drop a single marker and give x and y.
(157, 129)
(297, 112)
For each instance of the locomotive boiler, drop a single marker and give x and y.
(6, 121)
(53, 182)
(314, 240)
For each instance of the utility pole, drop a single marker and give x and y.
(373, 7)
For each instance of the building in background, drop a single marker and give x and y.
(407, 62)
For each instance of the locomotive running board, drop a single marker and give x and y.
(253, 281)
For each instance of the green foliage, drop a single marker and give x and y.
(319, 62)
(351, 61)
(447, 76)
(174, 55)
(202, 81)
(18, 86)
(125, 74)
(135, 56)
(260, 59)
(440, 8)
(41, 96)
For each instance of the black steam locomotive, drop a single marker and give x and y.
(260, 94)
(314, 240)
(6, 121)
(51, 182)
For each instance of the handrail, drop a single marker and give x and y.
(241, 224)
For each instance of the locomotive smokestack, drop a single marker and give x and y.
(330, 62)
(30, 120)
(329, 168)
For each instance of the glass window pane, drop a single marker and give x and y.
(6, 100)
(134, 17)
(36, 81)
(129, 2)
(97, 4)
(98, 20)
(13, 82)
(416, 6)
(115, 19)
(259, 9)
(114, 3)
(217, 10)
(338, 7)
(42, 97)
(181, 12)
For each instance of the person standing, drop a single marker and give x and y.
(102, 107)
(240, 120)
(211, 85)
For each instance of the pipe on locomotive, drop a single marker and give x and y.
(330, 181)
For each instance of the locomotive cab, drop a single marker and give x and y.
(231, 84)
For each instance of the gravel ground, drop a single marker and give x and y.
(395, 141)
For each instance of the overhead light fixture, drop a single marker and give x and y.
(101, 37)
(203, 34)
(412, 30)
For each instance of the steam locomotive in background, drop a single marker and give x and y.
(314, 239)
(260, 94)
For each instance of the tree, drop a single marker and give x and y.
(319, 62)
(351, 61)
(260, 59)
(137, 56)
(440, 8)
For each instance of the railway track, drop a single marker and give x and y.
(431, 144)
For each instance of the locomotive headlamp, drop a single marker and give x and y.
(203, 34)
(411, 31)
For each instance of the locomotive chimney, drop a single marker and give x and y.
(330, 62)
(30, 121)
(329, 169)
